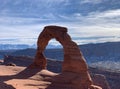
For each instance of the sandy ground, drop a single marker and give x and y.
(14, 77)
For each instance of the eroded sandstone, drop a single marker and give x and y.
(74, 67)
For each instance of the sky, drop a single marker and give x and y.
(88, 21)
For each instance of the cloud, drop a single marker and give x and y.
(96, 24)
(8, 20)
(66, 13)
(110, 13)
(106, 20)
(29, 41)
(91, 1)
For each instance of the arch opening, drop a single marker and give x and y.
(55, 55)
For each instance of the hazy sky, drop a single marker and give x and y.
(88, 21)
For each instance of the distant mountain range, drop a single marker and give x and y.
(13, 46)
(102, 55)
(23, 46)
(92, 52)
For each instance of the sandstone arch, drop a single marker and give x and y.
(73, 62)
(73, 58)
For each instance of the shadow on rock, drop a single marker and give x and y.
(25, 74)
(5, 86)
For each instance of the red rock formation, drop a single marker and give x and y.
(74, 65)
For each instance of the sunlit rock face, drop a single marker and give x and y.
(74, 67)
